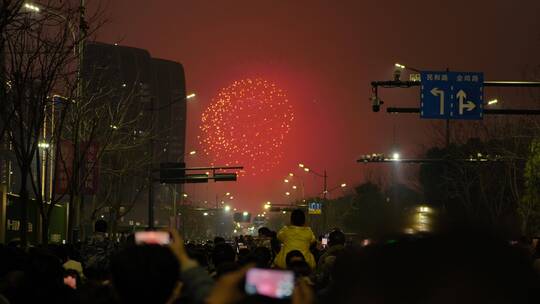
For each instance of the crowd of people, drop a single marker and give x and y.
(448, 268)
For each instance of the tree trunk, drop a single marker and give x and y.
(44, 230)
(23, 201)
(73, 208)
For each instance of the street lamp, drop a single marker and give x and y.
(191, 96)
(227, 208)
(286, 180)
(44, 145)
(395, 156)
(492, 102)
(343, 185)
(245, 213)
(323, 176)
(32, 7)
(205, 214)
(221, 198)
(192, 152)
(287, 193)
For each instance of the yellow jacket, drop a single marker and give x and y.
(295, 238)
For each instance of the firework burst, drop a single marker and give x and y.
(246, 124)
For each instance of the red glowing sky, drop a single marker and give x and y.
(324, 54)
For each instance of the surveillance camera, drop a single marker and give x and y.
(376, 103)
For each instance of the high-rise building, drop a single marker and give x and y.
(157, 87)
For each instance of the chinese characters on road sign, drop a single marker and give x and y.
(451, 95)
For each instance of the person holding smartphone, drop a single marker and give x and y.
(296, 237)
(149, 271)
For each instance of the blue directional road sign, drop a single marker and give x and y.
(451, 95)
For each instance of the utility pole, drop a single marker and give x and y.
(325, 189)
(150, 179)
(74, 211)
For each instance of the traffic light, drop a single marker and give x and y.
(195, 178)
(225, 177)
(172, 173)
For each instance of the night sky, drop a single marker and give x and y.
(324, 54)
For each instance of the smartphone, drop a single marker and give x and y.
(324, 242)
(277, 284)
(152, 238)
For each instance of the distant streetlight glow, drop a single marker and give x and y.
(231, 197)
(44, 145)
(32, 7)
(286, 180)
(287, 193)
(245, 213)
(205, 214)
(192, 152)
(397, 65)
(284, 212)
(294, 187)
(191, 96)
(395, 156)
(306, 169)
(227, 194)
(185, 195)
(301, 165)
(291, 174)
(227, 208)
(343, 185)
(492, 102)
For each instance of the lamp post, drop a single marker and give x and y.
(324, 176)
(79, 36)
(218, 198)
(289, 180)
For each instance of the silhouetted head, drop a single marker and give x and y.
(336, 237)
(218, 240)
(294, 256)
(298, 218)
(261, 256)
(145, 274)
(223, 253)
(264, 231)
(100, 226)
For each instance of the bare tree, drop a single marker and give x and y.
(43, 45)
(39, 61)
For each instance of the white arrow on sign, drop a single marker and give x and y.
(440, 93)
(463, 104)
